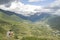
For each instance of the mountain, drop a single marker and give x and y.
(39, 16)
(36, 17)
(52, 20)
(7, 15)
(23, 29)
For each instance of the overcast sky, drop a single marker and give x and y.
(26, 7)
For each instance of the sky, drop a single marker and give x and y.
(30, 7)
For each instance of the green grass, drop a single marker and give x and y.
(36, 38)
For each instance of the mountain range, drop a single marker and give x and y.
(36, 17)
(41, 26)
(52, 20)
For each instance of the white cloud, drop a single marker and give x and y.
(54, 7)
(28, 10)
(56, 3)
(31, 9)
(34, 0)
(20, 8)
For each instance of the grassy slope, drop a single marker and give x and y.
(24, 30)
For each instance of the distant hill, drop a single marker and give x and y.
(6, 15)
(36, 17)
(54, 21)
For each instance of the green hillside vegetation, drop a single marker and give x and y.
(54, 22)
(25, 30)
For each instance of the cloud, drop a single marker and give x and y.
(27, 10)
(55, 3)
(5, 1)
(24, 9)
(34, 0)
(54, 7)
(21, 8)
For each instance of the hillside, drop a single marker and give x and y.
(24, 29)
(54, 22)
